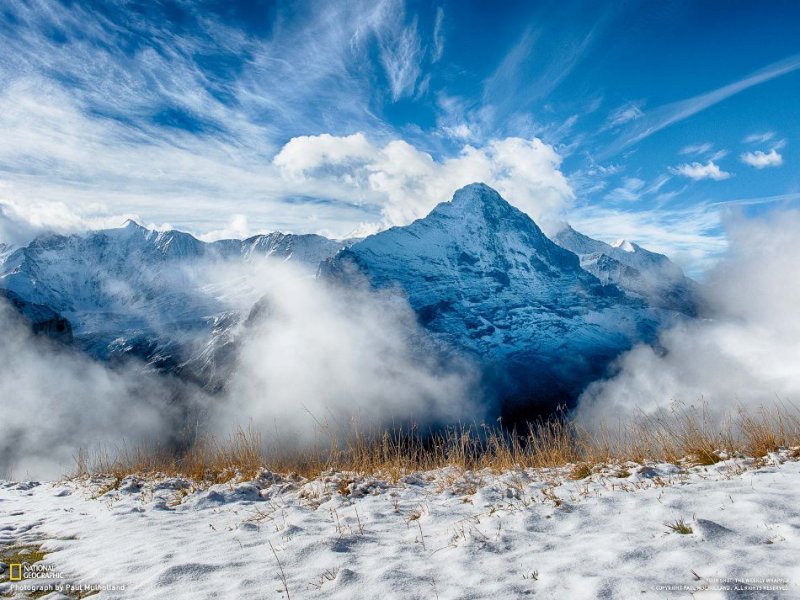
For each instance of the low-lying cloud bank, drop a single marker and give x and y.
(312, 355)
(309, 357)
(744, 355)
(317, 354)
(55, 401)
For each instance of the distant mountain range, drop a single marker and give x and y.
(639, 272)
(541, 317)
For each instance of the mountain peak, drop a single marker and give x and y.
(479, 197)
(624, 245)
(477, 191)
(478, 206)
(132, 225)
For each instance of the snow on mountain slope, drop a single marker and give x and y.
(308, 250)
(134, 291)
(624, 245)
(636, 270)
(483, 277)
(480, 274)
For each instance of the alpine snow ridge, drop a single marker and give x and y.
(638, 271)
(136, 292)
(541, 318)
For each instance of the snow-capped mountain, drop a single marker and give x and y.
(484, 278)
(542, 319)
(639, 272)
(307, 250)
(135, 291)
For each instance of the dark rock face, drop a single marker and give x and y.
(41, 319)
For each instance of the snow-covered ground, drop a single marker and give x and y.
(441, 534)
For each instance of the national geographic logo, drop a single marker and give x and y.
(24, 571)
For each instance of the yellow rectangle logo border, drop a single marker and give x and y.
(18, 568)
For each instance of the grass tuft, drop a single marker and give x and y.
(679, 526)
(581, 471)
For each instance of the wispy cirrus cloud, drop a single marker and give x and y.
(108, 114)
(664, 116)
(778, 199)
(401, 53)
(634, 189)
(505, 77)
(438, 35)
(697, 148)
(759, 138)
(629, 191)
(624, 114)
(534, 67)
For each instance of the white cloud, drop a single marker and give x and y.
(664, 116)
(19, 222)
(438, 35)
(624, 114)
(55, 401)
(305, 153)
(461, 131)
(759, 159)
(103, 133)
(744, 354)
(759, 138)
(238, 228)
(61, 169)
(407, 182)
(327, 354)
(401, 52)
(320, 353)
(698, 171)
(67, 172)
(629, 191)
(633, 189)
(696, 148)
(322, 57)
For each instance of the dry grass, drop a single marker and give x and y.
(679, 526)
(581, 471)
(680, 435)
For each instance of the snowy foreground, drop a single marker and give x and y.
(436, 535)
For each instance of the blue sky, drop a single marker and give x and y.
(650, 121)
